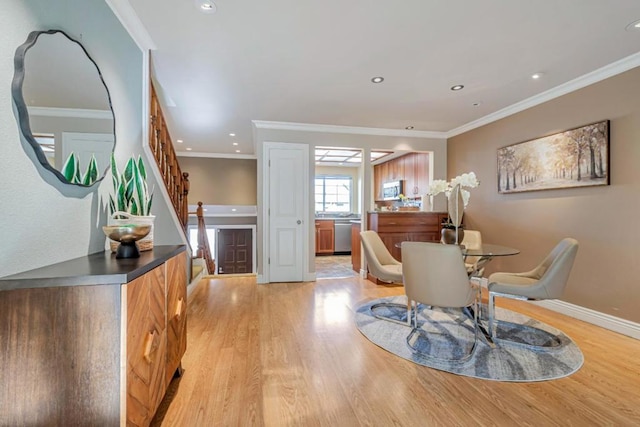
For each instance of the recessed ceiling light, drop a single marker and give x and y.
(237, 151)
(409, 128)
(188, 149)
(205, 6)
(232, 134)
(235, 143)
(634, 26)
(537, 76)
(233, 210)
(457, 87)
(179, 141)
(377, 79)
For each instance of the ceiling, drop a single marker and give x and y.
(312, 62)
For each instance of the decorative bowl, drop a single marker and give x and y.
(127, 235)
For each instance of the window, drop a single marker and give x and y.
(333, 193)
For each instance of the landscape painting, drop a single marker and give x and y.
(574, 158)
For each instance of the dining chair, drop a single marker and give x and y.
(472, 240)
(385, 268)
(381, 263)
(434, 275)
(546, 281)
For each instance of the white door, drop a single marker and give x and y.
(287, 207)
(84, 145)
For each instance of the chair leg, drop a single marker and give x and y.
(491, 303)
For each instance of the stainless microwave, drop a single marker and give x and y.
(391, 190)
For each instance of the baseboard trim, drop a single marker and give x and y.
(607, 321)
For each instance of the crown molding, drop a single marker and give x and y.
(76, 113)
(132, 23)
(610, 70)
(215, 155)
(306, 127)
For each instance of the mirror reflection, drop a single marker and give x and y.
(66, 105)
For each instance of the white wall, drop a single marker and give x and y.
(43, 221)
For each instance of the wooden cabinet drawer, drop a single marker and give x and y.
(399, 222)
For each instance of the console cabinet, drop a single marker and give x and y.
(92, 341)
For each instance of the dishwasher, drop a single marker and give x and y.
(342, 231)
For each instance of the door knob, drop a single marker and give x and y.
(299, 222)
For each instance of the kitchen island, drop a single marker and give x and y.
(396, 227)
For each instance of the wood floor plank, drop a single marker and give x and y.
(289, 354)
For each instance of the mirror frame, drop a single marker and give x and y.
(23, 113)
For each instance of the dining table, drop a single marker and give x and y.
(485, 253)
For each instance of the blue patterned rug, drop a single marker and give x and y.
(448, 334)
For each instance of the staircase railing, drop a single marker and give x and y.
(176, 181)
(203, 242)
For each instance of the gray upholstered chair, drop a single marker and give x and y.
(380, 261)
(472, 240)
(434, 275)
(546, 281)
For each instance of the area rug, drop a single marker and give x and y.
(447, 334)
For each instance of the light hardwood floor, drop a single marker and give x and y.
(290, 355)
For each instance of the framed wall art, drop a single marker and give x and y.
(574, 158)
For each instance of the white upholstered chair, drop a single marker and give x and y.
(379, 260)
(472, 240)
(546, 281)
(385, 268)
(435, 275)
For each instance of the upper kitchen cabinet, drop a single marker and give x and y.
(412, 168)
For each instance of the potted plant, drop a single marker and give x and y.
(131, 200)
(457, 199)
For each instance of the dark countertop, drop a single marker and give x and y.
(101, 268)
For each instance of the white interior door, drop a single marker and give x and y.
(288, 177)
(86, 144)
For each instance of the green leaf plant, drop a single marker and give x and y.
(130, 191)
(71, 170)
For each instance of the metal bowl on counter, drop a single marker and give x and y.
(127, 235)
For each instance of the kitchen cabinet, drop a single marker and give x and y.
(412, 169)
(325, 237)
(397, 227)
(93, 340)
(410, 185)
(416, 169)
(356, 251)
(421, 171)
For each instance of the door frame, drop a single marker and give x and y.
(266, 147)
(253, 242)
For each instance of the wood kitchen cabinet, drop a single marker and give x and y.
(397, 227)
(412, 169)
(356, 251)
(92, 341)
(325, 237)
(416, 169)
